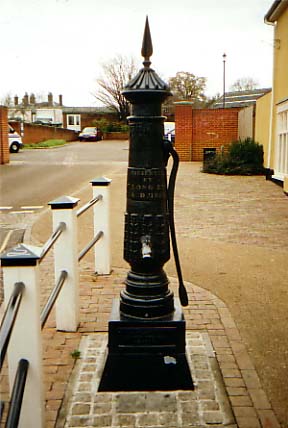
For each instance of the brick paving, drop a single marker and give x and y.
(206, 315)
(69, 400)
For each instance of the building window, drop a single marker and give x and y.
(282, 140)
(73, 119)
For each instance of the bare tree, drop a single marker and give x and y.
(116, 74)
(244, 84)
(6, 100)
(187, 86)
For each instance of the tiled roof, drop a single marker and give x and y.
(74, 110)
(239, 99)
(29, 106)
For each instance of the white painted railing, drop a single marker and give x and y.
(22, 263)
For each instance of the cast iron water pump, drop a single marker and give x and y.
(149, 202)
(147, 326)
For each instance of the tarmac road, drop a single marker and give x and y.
(35, 177)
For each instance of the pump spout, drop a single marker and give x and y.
(146, 247)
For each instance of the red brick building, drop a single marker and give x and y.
(4, 146)
(77, 118)
(200, 129)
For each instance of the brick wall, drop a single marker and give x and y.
(89, 119)
(4, 145)
(183, 130)
(204, 128)
(115, 135)
(37, 133)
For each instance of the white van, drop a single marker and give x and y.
(15, 141)
(169, 131)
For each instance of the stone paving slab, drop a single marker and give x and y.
(207, 405)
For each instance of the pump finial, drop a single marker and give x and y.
(147, 47)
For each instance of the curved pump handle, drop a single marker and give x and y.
(169, 149)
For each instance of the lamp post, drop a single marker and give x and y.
(224, 77)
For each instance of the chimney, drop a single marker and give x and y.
(32, 99)
(25, 99)
(50, 99)
(16, 100)
(60, 100)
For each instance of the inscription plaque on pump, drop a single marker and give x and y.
(145, 184)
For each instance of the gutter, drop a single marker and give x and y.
(269, 22)
(275, 11)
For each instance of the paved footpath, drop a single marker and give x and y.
(228, 391)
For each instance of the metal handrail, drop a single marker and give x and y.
(53, 297)
(2, 408)
(53, 238)
(90, 245)
(89, 204)
(9, 318)
(17, 394)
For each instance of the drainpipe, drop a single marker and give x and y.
(266, 20)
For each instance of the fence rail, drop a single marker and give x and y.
(51, 241)
(89, 205)
(90, 245)
(9, 319)
(17, 394)
(21, 266)
(53, 297)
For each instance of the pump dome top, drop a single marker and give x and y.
(146, 79)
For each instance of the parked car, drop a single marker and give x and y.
(47, 122)
(90, 134)
(15, 141)
(169, 131)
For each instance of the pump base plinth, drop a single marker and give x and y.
(146, 373)
(132, 335)
(146, 355)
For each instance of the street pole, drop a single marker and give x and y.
(224, 78)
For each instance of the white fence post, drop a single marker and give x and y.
(20, 264)
(66, 258)
(101, 212)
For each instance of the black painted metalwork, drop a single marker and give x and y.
(64, 203)
(146, 241)
(20, 255)
(51, 241)
(17, 394)
(9, 318)
(2, 408)
(53, 297)
(147, 326)
(171, 187)
(90, 245)
(101, 181)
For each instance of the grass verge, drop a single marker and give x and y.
(45, 144)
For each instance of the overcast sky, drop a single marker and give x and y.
(59, 45)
